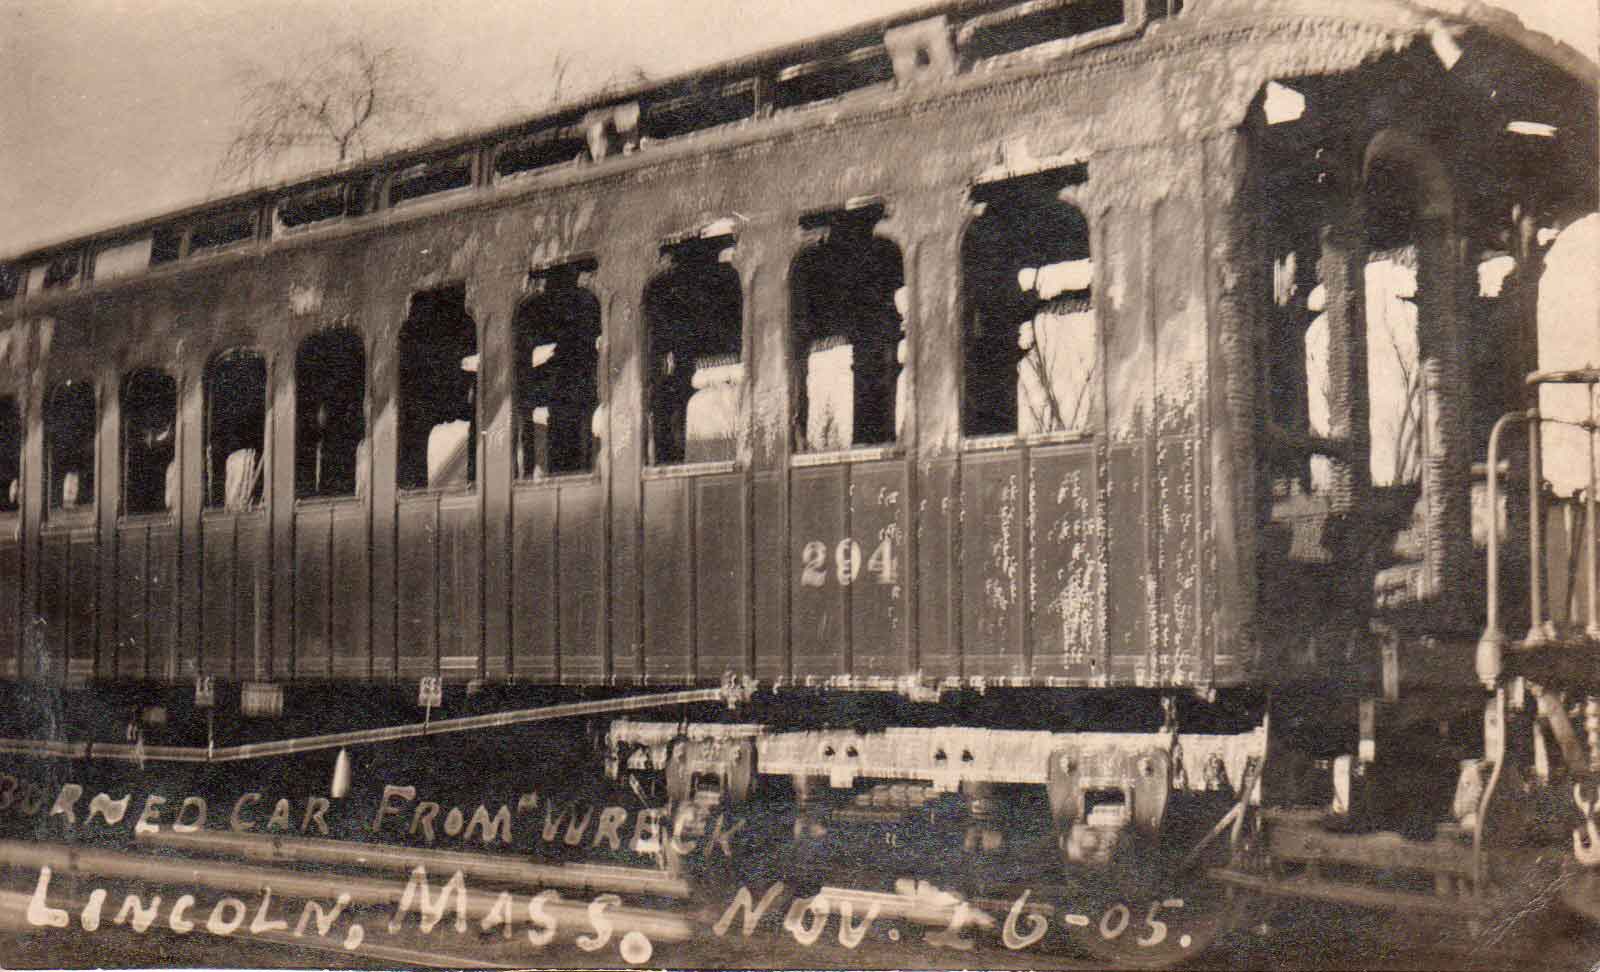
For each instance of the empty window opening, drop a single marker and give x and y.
(1394, 368)
(166, 245)
(438, 393)
(693, 313)
(1028, 24)
(149, 441)
(330, 382)
(540, 150)
(832, 77)
(1296, 372)
(236, 421)
(558, 391)
(1031, 346)
(69, 427)
(1394, 380)
(61, 271)
(10, 455)
(847, 333)
(428, 178)
(122, 259)
(314, 206)
(696, 105)
(223, 230)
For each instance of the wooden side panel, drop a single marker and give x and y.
(460, 566)
(1178, 585)
(771, 568)
(253, 584)
(666, 568)
(10, 606)
(1179, 294)
(1067, 589)
(819, 615)
(581, 521)
(1127, 609)
(131, 646)
(992, 563)
(417, 564)
(312, 553)
(938, 647)
(878, 597)
(721, 627)
(216, 597)
(351, 603)
(82, 604)
(161, 604)
(55, 590)
(533, 585)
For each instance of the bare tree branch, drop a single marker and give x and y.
(337, 105)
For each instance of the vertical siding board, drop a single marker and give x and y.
(311, 579)
(770, 571)
(1180, 395)
(279, 612)
(720, 546)
(216, 597)
(1066, 585)
(459, 561)
(129, 646)
(819, 618)
(993, 518)
(161, 603)
(10, 606)
(533, 585)
(666, 577)
(878, 597)
(252, 637)
(417, 565)
(938, 645)
(351, 600)
(82, 603)
(581, 520)
(1126, 569)
(1177, 611)
(492, 298)
(54, 575)
(620, 280)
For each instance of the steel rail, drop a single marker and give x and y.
(389, 857)
(729, 692)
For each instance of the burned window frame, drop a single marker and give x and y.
(412, 364)
(132, 454)
(316, 388)
(13, 436)
(876, 335)
(214, 476)
(565, 287)
(664, 377)
(54, 483)
(1067, 185)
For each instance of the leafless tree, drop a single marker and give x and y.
(337, 104)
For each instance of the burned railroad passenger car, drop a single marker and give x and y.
(1084, 354)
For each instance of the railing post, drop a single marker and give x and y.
(1538, 632)
(1592, 629)
(1491, 646)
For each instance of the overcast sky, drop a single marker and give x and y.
(112, 110)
